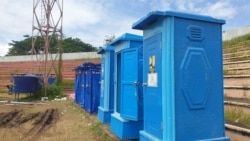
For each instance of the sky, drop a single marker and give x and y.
(93, 20)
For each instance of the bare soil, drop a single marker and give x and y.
(57, 121)
(236, 136)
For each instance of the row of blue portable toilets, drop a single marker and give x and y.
(167, 84)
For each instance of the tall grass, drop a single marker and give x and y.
(237, 116)
(235, 41)
(68, 84)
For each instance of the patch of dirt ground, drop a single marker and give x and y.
(50, 121)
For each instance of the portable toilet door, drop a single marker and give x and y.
(92, 87)
(131, 94)
(79, 85)
(88, 84)
(95, 89)
(82, 87)
(126, 121)
(106, 106)
(182, 77)
(88, 93)
(153, 86)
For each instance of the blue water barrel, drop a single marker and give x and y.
(25, 83)
(51, 80)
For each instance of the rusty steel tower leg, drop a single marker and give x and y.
(47, 27)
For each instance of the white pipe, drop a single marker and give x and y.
(237, 103)
(238, 129)
(5, 101)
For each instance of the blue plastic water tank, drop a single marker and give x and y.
(51, 80)
(26, 83)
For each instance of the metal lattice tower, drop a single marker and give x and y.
(47, 25)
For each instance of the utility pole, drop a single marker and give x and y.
(47, 25)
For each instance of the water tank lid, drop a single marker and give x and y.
(154, 15)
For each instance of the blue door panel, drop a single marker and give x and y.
(82, 89)
(152, 93)
(129, 104)
(87, 95)
(95, 91)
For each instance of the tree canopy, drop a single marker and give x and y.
(69, 45)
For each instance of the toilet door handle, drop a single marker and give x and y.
(144, 84)
(135, 83)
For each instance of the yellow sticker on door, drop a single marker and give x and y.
(152, 64)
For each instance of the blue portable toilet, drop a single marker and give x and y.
(92, 87)
(79, 85)
(106, 106)
(127, 119)
(182, 77)
(87, 87)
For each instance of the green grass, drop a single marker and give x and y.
(241, 40)
(4, 91)
(53, 91)
(235, 47)
(226, 72)
(96, 128)
(88, 59)
(68, 84)
(237, 116)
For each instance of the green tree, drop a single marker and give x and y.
(108, 39)
(20, 47)
(76, 45)
(69, 45)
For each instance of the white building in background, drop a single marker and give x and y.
(230, 34)
(65, 56)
